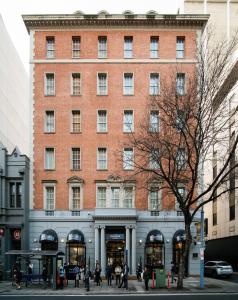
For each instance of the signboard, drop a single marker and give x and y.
(115, 236)
(17, 234)
(1, 232)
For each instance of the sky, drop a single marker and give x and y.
(11, 11)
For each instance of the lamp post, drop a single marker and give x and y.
(202, 250)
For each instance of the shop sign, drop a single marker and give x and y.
(1, 232)
(115, 236)
(17, 234)
(156, 238)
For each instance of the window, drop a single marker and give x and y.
(102, 84)
(154, 121)
(181, 191)
(15, 194)
(128, 47)
(155, 159)
(49, 196)
(180, 120)
(50, 47)
(155, 199)
(180, 159)
(128, 197)
(102, 121)
(128, 84)
(180, 47)
(75, 46)
(102, 159)
(214, 202)
(49, 158)
(75, 200)
(128, 121)
(75, 159)
(214, 212)
(49, 121)
(180, 84)
(128, 159)
(115, 197)
(232, 181)
(76, 84)
(76, 121)
(154, 42)
(101, 196)
(102, 47)
(154, 84)
(49, 84)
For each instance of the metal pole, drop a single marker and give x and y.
(202, 250)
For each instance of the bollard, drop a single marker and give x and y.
(168, 280)
(153, 279)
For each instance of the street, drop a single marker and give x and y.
(233, 278)
(179, 296)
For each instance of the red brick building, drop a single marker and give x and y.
(91, 79)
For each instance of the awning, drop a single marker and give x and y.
(49, 235)
(179, 236)
(34, 252)
(75, 236)
(155, 236)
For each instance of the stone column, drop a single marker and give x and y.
(103, 253)
(128, 246)
(133, 251)
(96, 244)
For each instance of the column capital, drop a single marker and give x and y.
(102, 226)
(96, 226)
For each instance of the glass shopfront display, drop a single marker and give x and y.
(115, 246)
(49, 240)
(178, 248)
(154, 250)
(75, 248)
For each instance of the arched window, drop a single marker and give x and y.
(154, 249)
(76, 249)
(49, 240)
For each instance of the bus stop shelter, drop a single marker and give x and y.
(28, 255)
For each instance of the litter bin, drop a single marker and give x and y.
(160, 278)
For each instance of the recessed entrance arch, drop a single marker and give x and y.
(179, 239)
(154, 249)
(75, 248)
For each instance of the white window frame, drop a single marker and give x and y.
(154, 165)
(45, 151)
(128, 166)
(73, 50)
(127, 129)
(178, 86)
(72, 84)
(180, 52)
(159, 195)
(132, 187)
(72, 118)
(152, 128)
(131, 93)
(176, 205)
(50, 49)
(128, 53)
(45, 84)
(98, 89)
(45, 121)
(71, 159)
(71, 186)
(181, 164)
(45, 186)
(102, 53)
(98, 123)
(152, 91)
(151, 48)
(98, 162)
(97, 196)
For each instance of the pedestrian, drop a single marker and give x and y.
(87, 276)
(82, 271)
(76, 271)
(17, 277)
(118, 274)
(109, 274)
(97, 274)
(61, 277)
(138, 272)
(124, 279)
(173, 271)
(146, 277)
(44, 276)
(30, 271)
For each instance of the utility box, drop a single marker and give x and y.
(160, 278)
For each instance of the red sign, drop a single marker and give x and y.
(1, 232)
(17, 234)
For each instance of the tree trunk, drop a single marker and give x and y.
(185, 254)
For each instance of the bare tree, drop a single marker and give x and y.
(182, 126)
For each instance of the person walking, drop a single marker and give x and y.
(118, 274)
(61, 277)
(44, 276)
(17, 277)
(76, 272)
(138, 272)
(146, 277)
(173, 271)
(97, 274)
(109, 274)
(82, 271)
(87, 276)
(124, 281)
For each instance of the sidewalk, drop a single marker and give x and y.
(191, 285)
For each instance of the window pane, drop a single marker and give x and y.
(128, 159)
(50, 84)
(180, 83)
(75, 158)
(102, 121)
(128, 45)
(102, 47)
(75, 197)
(181, 159)
(18, 194)
(76, 122)
(76, 47)
(128, 197)
(101, 197)
(50, 191)
(180, 120)
(180, 47)
(50, 121)
(12, 193)
(154, 121)
(128, 84)
(49, 158)
(154, 84)
(154, 41)
(102, 84)
(76, 87)
(102, 158)
(155, 159)
(128, 122)
(115, 197)
(50, 47)
(154, 200)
